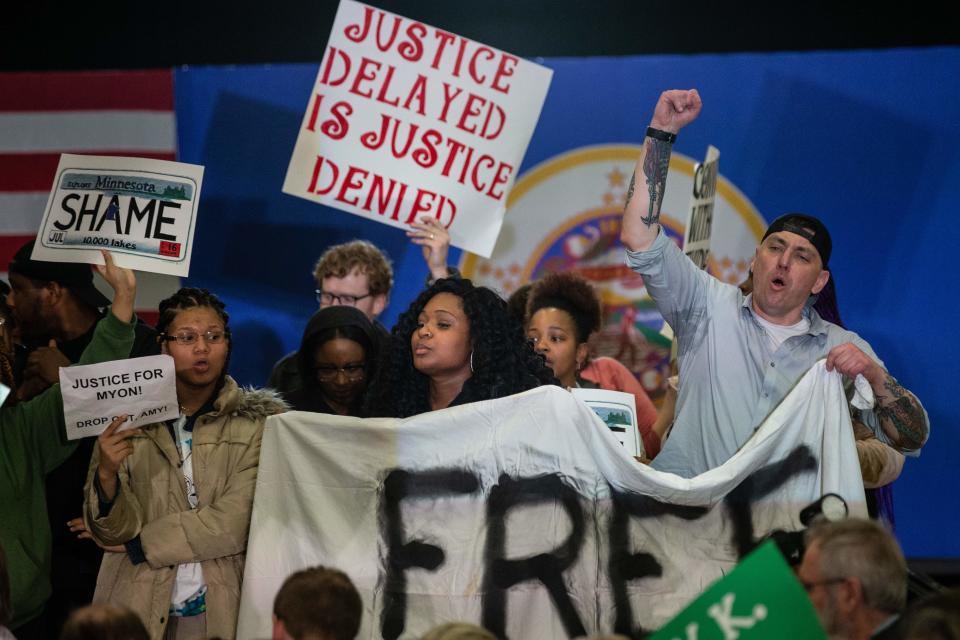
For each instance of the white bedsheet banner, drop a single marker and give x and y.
(525, 514)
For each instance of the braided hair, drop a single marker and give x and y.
(191, 298)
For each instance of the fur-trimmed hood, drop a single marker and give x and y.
(252, 404)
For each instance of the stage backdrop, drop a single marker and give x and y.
(866, 140)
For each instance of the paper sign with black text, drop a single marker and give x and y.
(144, 389)
(696, 238)
(143, 211)
(407, 120)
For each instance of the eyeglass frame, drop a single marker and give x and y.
(340, 298)
(336, 371)
(181, 338)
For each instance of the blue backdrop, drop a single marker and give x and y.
(866, 140)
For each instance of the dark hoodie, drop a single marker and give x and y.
(321, 327)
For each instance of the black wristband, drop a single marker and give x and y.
(658, 134)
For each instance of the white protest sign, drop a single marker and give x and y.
(696, 237)
(618, 410)
(525, 514)
(408, 120)
(143, 211)
(144, 389)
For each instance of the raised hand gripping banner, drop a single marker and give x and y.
(525, 515)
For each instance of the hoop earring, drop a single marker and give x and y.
(471, 361)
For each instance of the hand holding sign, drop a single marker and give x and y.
(114, 448)
(124, 285)
(435, 240)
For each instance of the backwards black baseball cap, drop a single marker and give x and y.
(806, 227)
(76, 277)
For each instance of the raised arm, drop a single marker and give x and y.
(434, 239)
(641, 216)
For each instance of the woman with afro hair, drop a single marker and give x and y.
(456, 344)
(563, 311)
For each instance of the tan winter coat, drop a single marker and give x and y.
(152, 502)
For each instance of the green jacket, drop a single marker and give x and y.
(32, 444)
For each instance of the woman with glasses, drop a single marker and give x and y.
(337, 359)
(455, 344)
(172, 501)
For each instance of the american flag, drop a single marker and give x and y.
(117, 113)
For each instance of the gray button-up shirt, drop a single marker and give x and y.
(730, 378)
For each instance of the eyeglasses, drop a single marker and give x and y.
(328, 373)
(188, 338)
(809, 586)
(332, 299)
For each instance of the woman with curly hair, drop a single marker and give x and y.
(563, 311)
(455, 344)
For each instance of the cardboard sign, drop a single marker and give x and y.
(696, 237)
(407, 120)
(143, 211)
(759, 599)
(144, 389)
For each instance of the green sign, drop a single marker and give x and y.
(760, 598)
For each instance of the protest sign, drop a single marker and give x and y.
(143, 211)
(696, 237)
(759, 599)
(618, 410)
(525, 514)
(143, 389)
(407, 120)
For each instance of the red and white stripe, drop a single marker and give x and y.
(117, 113)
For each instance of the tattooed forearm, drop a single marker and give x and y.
(633, 184)
(898, 408)
(655, 166)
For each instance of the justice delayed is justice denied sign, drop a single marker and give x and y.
(143, 211)
(143, 389)
(407, 120)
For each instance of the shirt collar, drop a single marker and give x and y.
(818, 326)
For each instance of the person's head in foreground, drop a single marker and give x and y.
(354, 274)
(317, 604)
(562, 312)
(855, 575)
(337, 359)
(455, 344)
(103, 622)
(789, 266)
(193, 328)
